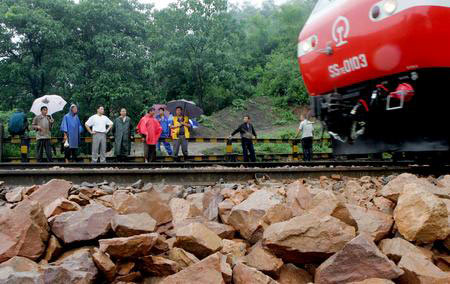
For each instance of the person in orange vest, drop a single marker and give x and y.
(180, 132)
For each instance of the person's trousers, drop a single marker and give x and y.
(41, 145)
(180, 142)
(150, 152)
(248, 150)
(166, 146)
(24, 148)
(99, 146)
(70, 154)
(307, 145)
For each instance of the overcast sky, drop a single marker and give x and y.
(163, 3)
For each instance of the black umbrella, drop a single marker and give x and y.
(189, 108)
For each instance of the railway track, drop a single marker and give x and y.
(206, 173)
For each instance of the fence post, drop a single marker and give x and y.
(229, 150)
(1, 140)
(295, 150)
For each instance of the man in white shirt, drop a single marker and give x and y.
(99, 125)
(306, 129)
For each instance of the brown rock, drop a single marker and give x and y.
(375, 223)
(384, 205)
(182, 209)
(360, 259)
(130, 247)
(243, 274)
(59, 206)
(208, 271)
(238, 196)
(182, 257)
(23, 231)
(234, 250)
(422, 271)
(125, 268)
(298, 198)
(396, 248)
(247, 217)
(133, 224)
(89, 223)
(198, 239)
(27, 191)
(443, 262)
(225, 210)
(20, 270)
(75, 266)
(307, 238)
(373, 281)
(105, 200)
(54, 249)
(51, 191)
(14, 195)
(278, 213)
(290, 274)
(211, 201)
(263, 260)
(159, 266)
(154, 203)
(104, 264)
(357, 195)
(78, 200)
(324, 204)
(222, 230)
(421, 216)
(197, 200)
(129, 278)
(396, 187)
(161, 246)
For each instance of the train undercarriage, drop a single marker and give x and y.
(405, 114)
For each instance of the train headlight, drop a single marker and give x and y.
(389, 6)
(307, 45)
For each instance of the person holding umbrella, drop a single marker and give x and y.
(43, 124)
(181, 128)
(72, 128)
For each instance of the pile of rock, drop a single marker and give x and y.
(327, 230)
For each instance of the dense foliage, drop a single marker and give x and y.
(123, 53)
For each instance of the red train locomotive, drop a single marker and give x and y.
(378, 73)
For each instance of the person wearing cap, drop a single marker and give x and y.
(72, 128)
(43, 124)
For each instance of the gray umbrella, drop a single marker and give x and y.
(189, 108)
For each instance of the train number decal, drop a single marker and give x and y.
(348, 65)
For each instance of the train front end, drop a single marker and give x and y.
(378, 73)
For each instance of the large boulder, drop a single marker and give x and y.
(421, 216)
(182, 209)
(396, 187)
(133, 224)
(49, 192)
(360, 259)
(420, 270)
(211, 270)
(307, 238)
(247, 217)
(198, 239)
(156, 204)
(89, 223)
(59, 206)
(396, 248)
(20, 270)
(372, 222)
(131, 247)
(75, 266)
(243, 274)
(23, 231)
(299, 198)
(291, 274)
(263, 260)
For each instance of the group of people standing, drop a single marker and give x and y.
(155, 126)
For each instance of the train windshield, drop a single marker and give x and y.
(321, 5)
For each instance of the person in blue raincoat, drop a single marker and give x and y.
(72, 128)
(165, 122)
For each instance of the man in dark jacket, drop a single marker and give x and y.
(123, 135)
(248, 133)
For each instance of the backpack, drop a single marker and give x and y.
(16, 123)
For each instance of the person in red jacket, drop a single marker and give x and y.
(151, 129)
